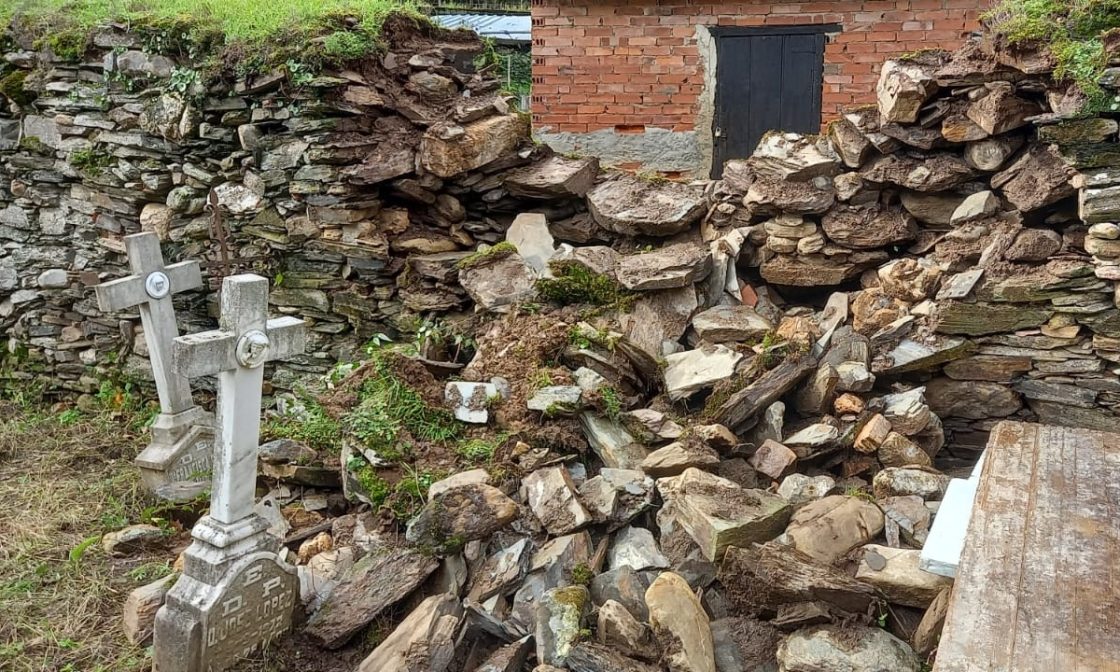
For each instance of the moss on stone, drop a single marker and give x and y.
(574, 283)
(12, 87)
(487, 256)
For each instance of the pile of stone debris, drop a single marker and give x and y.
(698, 473)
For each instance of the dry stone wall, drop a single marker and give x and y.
(969, 215)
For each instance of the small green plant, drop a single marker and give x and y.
(150, 571)
(91, 160)
(376, 342)
(861, 493)
(299, 73)
(612, 402)
(76, 553)
(540, 379)
(183, 80)
(491, 254)
(69, 416)
(478, 450)
(582, 574)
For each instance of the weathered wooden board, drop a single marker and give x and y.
(1038, 588)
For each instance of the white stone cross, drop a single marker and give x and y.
(150, 287)
(237, 352)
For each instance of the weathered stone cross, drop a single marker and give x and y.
(181, 435)
(235, 595)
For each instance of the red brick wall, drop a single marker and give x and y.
(623, 63)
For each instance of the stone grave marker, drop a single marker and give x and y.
(182, 434)
(235, 595)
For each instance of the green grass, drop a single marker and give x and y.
(238, 20)
(315, 427)
(573, 283)
(220, 36)
(1072, 30)
(64, 484)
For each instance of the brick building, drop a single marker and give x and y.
(683, 85)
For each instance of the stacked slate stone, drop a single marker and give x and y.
(328, 184)
(953, 206)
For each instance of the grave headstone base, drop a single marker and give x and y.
(233, 598)
(181, 451)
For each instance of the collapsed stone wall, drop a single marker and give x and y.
(325, 183)
(950, 212)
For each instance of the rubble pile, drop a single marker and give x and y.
(644, 425)
(973, 207)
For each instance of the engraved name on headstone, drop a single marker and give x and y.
(235, 595)
(182, 435)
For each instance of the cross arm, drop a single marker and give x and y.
(287, 336)
(204, 354)
(129, 291)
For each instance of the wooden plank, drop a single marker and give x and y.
(1039, 582)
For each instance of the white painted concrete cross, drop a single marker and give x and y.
(182, 435)
(150, 287)
(237, 352)
(235, 594)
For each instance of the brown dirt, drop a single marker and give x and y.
(757, 641)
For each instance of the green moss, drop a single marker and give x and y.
(343, 46)
(31, 143)
(90, 160)
(67, 44)
(1071, 30)
(582, 574)
(375, 488)
(12, 87)
(574, 283)
(489, 255)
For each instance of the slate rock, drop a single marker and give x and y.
(635, 547)
(551, 495)
(560, 615)
(680, 625)
(901, 481)
(460, 515)
(828, 648)
(669, 267)
(827, 529)
(635, 207)
(555, 177)
(731, 324)
(799, 489)
(619, 630)
(373, 584)
(674, 458)
(447, 154)
(895, 572)
(134, 539)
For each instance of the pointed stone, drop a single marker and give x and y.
(680, 625)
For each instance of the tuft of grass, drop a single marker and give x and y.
(573, 283)
(612, 402)
(1072, 30)
(387, 405)
(315, 427)
(90, 160)
(479, 450)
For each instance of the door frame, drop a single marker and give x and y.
(720, 32)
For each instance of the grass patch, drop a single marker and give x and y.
(252, 34)
(90, 160)
(64, 484)
(1072, 30)
(314, 427)
(387, 406)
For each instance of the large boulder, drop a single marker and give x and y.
(447, 150)
(635, 207)
(795, 157)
